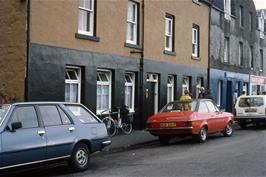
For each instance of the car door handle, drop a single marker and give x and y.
(71, 129)
(41, 132)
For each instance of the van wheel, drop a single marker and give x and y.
(202, 136)
(80, 158)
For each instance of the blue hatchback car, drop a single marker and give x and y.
(35, 132)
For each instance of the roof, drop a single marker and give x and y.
(40, 102)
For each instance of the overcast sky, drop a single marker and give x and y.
(260, 4)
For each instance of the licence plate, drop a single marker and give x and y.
(251, 110)
(167, 124)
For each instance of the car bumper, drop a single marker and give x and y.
(170, 131)
(250, 119)
(99, 144)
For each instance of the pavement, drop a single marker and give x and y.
(137, 137)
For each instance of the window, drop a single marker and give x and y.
(261, 59)
(241, 16)
(227, 9)
(26, 115)
(169, 32)
(245, 85)
(250, 21)
(203, 108)
(185, 85)
(82, 114)
(251, 57)
(132, 22)
(240, 54)
(130, 90)
(195, 41)
(86, 17)
(103, 90)
(226, 50)
(73, 84)
(211, 106)
(219, 93)
(198, 86)
(170, 89)
(50, 115)
(64, 117)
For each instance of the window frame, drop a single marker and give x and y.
(170, 85)
(251, 57)
(70, 81)
(261, 60)
(184, 85)
(92, 25)
(135, 23)
(241, 16)
(195, 40)
(104, 83)
(169, 18)
(56, 106)
(226, 50)
(240, 53)
(227, 9)
(132, 84)
(250, 17)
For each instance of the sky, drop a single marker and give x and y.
(260, 4)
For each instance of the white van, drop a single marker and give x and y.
(250, 109)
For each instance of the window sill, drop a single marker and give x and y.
(86, 37)
(195, 58)
(169, 53)
(133, 46)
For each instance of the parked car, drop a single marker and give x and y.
(35, 132)
(250, 110)
(196, 118)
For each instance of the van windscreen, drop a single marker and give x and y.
(251, 101)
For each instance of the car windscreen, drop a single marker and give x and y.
(3, 111)
(250, 102)
(82, 114)
(179, 106)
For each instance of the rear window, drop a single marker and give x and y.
(179, 106)
(251, 102)
(82, 114)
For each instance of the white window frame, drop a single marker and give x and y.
(169, 22)
(227, 9)
(185, 86)
(130, 84)
(133, 22)
(195, 41)
(102, 83)
(77, 71)
(226, 50)
(170, 84)
(92, 14)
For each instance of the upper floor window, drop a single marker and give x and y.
(130, 91)
(169, 32)
(251, 57)
(132, 23)
(72, 84)
(195, 41)
(261, 60)
(226, 50)
(227, 9)
(250, 21)
(241, 16)
(170, 89)
(240, 54)
(103, 90)
(86, 17)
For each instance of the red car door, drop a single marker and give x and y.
(205, 115)
(216, 116)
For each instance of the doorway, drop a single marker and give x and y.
(152, 94)
(229, 98)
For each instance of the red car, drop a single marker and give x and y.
(193, 117)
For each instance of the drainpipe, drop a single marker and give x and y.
(27, 49)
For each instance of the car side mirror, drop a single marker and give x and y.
(15, 126)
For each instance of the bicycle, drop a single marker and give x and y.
(113, 125)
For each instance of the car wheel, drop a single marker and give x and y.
(80, 158)
(228, 131)
(242, 125)
(164, 140)
(202, 136)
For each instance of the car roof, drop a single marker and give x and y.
(40, 102)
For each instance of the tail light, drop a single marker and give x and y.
(187, 124)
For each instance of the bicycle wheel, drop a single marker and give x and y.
(126, 127)
(110, 126)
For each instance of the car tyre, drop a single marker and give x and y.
(242, 125)
(229, 129)
(80, 157)
(202, 136)
(164, 140)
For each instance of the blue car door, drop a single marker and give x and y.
(60, 131)
(26, 144)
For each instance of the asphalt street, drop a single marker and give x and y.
(242, 155)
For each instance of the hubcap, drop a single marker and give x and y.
(229, 129)
(82, 157)
(203, 133)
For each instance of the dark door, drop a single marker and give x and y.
(150, 91)
(229, 98)
(27, 144)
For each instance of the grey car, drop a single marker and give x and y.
(35, 132)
